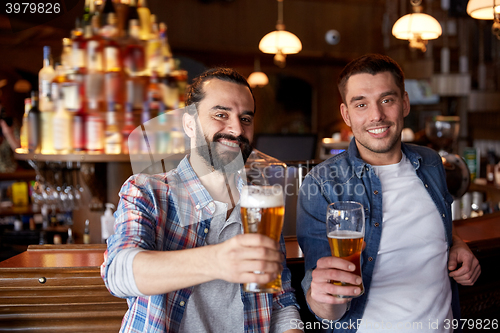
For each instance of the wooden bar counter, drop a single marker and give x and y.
(59, 288)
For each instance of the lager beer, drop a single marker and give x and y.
(345, 229)
(263, 212)
(347, 245)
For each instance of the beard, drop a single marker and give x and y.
(214, 155)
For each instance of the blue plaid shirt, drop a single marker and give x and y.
(167, 212)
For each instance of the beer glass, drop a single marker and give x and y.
(263, 212)
(345, 228)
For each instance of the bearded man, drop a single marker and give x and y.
(178, 253)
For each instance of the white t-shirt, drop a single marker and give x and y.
(410, 289)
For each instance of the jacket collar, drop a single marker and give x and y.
(361, 166)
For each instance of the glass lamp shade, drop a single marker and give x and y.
(258, 79)
(416, 25)
(282, 40)
(483, 9)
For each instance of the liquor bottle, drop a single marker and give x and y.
(182, 78)
(112, 61)
(66, 57)
(113, 137)
(45, 77)
(94, 130)
(153, 94)
(87, 12)
(57, 83)
(163, 133)
(168, 64)
(62, 126)
(122, 8)
(70, 239)
(78, 50)
(109, 29)
(46, 106)
(135, 92)
(147, 145)
(153, 48)
(86, 233)
(57, 240)
(78, 126)
(177, 139)
(94, 80)
(129, 140)
(94, 45)
(108, 7)
(490, 167)
(170, 91)
(70, 89)
(144, 17)
(34, 137)
(24, 127)
(132, 13)
(134, 52)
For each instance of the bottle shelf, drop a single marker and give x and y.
(74, 157)
(19, 210)
(19, 175)
(95, 158)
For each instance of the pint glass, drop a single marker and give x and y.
(345, 228)
(262, 212)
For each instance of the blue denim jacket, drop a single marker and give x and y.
(346, 177)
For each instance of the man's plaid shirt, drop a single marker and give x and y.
(167, 212)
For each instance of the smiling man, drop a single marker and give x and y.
(412, 259)
(178, 253)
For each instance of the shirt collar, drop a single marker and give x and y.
(412, 155)
(198, 194)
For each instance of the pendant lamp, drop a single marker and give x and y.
(483, 9)
(257, 78)
(280, 42)
(417, 27)
(486, 10)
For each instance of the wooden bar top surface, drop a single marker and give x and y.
(482, 228)
(54, 256)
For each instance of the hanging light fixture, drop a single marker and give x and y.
(486, 10)
(280, 42)
(257, 78)
(417, 27)
(483, 9)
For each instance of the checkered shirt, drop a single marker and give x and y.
(167, 212)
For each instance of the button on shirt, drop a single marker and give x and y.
(167, 212)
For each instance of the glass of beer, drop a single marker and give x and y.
(345, 228)
(263, 212)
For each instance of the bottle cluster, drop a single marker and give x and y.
(116, 72)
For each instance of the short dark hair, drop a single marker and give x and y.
(371, 64)
(195, 93)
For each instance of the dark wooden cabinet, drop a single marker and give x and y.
(57, 289)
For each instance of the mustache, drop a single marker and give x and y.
(240, 139)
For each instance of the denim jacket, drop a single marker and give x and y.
(346, 177)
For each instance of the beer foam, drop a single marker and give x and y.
(261, 197)
(345, 234)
